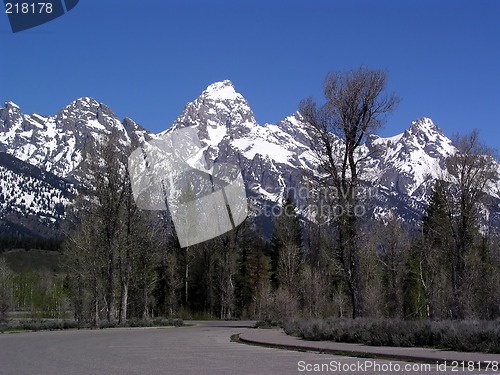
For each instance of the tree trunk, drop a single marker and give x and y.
(186, 281)
(96, 305)
(355, 288)
(111, 288)
(123, 303)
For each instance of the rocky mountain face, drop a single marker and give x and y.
(398, 173)
(40, 156)
(32, 201)
(55, 143)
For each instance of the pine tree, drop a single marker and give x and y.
(430, 263)
(436, 222)
(246, 275)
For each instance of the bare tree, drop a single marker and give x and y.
(84, 262)
(393, 247)
(287, 246)
(355, 106)
(107, 180)
(471, 171)
(110, 238)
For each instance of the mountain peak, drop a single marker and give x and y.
(425, 130)
(424, 124)
(81, 105)
(223, 90)
(86, 101)
(87, 106)
(218, 110)
(12, 105)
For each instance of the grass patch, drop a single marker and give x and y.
(465, 336)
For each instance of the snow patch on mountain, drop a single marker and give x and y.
(222, 91)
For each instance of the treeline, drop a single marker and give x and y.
(10, 242)
(125, 263)
(36, 294)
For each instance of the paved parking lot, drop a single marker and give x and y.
(201, 349)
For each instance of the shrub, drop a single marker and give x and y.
(40, 325)
(483, 336)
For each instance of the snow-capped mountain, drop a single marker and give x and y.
(405, 162)
(55, 143)
(39, 160)
(272, 157)
(275, 157)
(404, 167)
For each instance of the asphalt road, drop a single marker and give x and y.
(201, 349)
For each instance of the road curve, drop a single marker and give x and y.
(204, 348)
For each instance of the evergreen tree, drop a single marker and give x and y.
(436, 221)
(430, 263)
(246, 276)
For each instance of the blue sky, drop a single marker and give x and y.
(147, 59)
